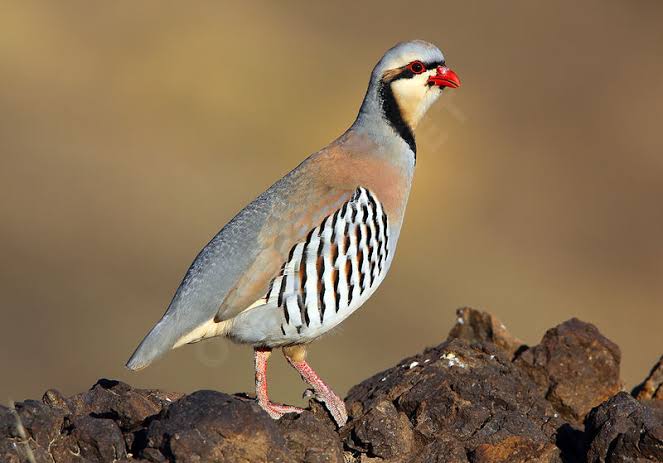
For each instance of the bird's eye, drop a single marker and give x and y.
(416, 67)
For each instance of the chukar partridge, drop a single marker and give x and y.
(310, 250)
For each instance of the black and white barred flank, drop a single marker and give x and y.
(335, 270)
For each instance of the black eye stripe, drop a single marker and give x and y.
(433, 64)
(407, 74)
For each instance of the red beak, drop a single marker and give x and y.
(445, 77)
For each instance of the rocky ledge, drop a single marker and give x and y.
(480, 396)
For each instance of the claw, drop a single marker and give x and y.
(276, 411)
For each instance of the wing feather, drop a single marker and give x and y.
(276, 240)
(238, 263)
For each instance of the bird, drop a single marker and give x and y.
(310, 250)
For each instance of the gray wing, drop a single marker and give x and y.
(215, 285)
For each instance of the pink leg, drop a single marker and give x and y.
(276, 411)
(334, 403)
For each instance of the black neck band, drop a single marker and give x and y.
(392, 114)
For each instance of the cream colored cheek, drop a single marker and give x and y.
(414, 98)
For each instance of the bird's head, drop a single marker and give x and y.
(406, 82)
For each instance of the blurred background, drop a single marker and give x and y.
(131, 132)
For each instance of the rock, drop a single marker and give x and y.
(212, 426)
(96, 439)
(576, 367)
(479, 397)
(42, 423)
(442, 451)
(476, 326)
(85, 427)
(15, 445)
(624, 430)
(515, 449)
(652, 387)
(53, 398)
(471, 398)
(385, 432)
(312, 437)
(118, 401)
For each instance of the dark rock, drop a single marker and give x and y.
(476, 326)
(15, 444)
(55, 399)
(463, 395)
(153, 455)
(576, 367)
(480, 397)
(7, 422)
(624, 430)
(85, 427)
(442, 450)
(42, 423)
(652, 387)
(385, 432)
(11, 451)
(212, 426)
(312, 437)
(515, 449)
(97, 439)
(118, 401)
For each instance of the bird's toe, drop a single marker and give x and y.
(276, 411)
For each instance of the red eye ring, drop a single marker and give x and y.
(416, 67)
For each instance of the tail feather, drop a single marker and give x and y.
(157, 342)
(167, 335)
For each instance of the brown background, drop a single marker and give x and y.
(131, 132)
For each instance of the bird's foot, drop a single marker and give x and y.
(323, 393)
(276, 411)
(334, 404)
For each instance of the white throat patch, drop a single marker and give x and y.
(414, 97)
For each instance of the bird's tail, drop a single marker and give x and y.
(157, 342)
(169, 334)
